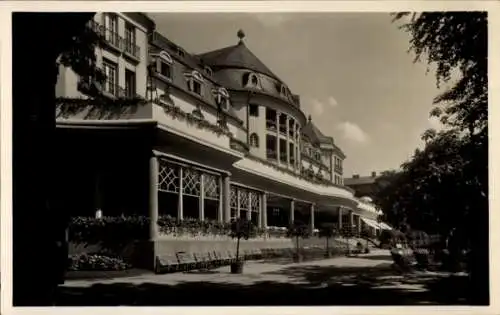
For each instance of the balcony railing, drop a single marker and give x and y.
(112, 89)
(283, 129)
(283, 157)
(338, 169)
(273, 155)
(271, 125)
(115, 40)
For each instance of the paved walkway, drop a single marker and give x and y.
(254, 271)
(365, 280)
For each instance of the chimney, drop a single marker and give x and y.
(355, 176)
(374, 174)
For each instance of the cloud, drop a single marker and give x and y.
(272, 19)
(352, 132)
(332, 102)
(318, 107)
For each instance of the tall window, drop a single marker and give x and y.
(111, 72)
(283, 156)
(130, 42)
(282, 121)
(270, 119)
(130, 84)
(291, 126)
(271, 147)
(292, 153)
(111, 25)
(254, 110)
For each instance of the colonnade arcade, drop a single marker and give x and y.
(183, 190)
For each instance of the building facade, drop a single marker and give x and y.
(215, 136)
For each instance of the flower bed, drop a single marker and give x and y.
(113, 233)
(96, 262)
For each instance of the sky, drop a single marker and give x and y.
(353, 72)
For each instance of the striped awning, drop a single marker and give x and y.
(371, 223)
(384, 226)
(376, 225)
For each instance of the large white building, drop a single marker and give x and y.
(218, 136)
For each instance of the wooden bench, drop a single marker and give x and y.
(187, 261)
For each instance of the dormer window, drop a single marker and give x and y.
(194, 81)
(221, 98)
(250, 80)
(208, 71)
(180, 52)
(164, 65)
(284, 91)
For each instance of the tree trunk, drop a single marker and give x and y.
(38, 224)
(297, 245)
(238, 249)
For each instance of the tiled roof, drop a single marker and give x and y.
(237, 56)
(314, 134)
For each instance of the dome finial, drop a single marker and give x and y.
(241, 35)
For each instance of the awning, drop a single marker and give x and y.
(384, 226)
(371, 223)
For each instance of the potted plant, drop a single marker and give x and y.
(298, 230)
(240, 228)
(347, 233)
(365, 233)
(328, 230)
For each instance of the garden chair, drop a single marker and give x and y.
(202, 260)
(266, 253)
(257, 253)
(247, 254)
(232, 256)
(186, 261)
(166, 263)
(216, 258)
(224, 257)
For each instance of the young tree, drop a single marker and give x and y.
(240, 228)
(298, 230)
(328, 230)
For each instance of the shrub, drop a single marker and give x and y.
(422, 257)
(95, 262)
(241, 228)
(402, 257)
(111, 233)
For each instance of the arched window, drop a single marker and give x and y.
(194, 81)
(254, 140)
(164, 65)
(251, 80)
(208, 71)
(221, 96)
